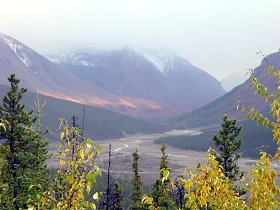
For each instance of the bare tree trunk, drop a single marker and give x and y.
(108, 179)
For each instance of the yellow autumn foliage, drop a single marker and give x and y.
(263, 190)
(209, 188)
(76, 175)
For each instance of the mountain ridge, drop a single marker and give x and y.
(147, 84)
(162, 77)
(213, 112)
(50, 79)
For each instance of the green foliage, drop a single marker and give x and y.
(118, 197)
(161, 191)
(77, 173)
(125, 183)
(24, 152)
(163, 163)
(3, 165)
(228, 142)
(137, 183)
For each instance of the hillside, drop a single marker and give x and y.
(99, 123)
(212, 113)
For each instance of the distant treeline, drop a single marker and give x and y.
(255, 138)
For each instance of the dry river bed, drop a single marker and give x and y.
(150, 153)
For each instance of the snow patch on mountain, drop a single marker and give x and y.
(78, 57)
(161, 59)
(19, 49)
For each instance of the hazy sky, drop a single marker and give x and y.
(219, 36)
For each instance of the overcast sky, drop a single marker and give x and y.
(218, 36)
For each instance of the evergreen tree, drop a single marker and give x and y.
(228, 142)
(136, 195)
(3, 187)
(24, 151)
(137, 183)
(106, 201)
(118, 197)
(160, 190)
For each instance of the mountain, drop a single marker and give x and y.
(212, 113)
(209, 117)
(159, 75)
(147, 84)
(39, 74)
(234, 80)
(99, 123)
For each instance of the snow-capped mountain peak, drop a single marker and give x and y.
(76, 57)
(18, 48)
(162, 59)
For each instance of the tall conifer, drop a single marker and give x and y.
(160, 191)
(137, 183)
(24, 151)
(229, 143)
(136, 195)
(118, 197)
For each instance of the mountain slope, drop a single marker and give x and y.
(39, 74)
(99, 123)
(212, 113)
(158, 75)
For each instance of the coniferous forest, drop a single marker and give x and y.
(27, 182)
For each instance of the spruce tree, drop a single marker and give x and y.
(160, 190)
(118, 198)
(136, 195)
(24, 151)
(137, 183)
(229, 143)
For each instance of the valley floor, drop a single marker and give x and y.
(150, 156)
